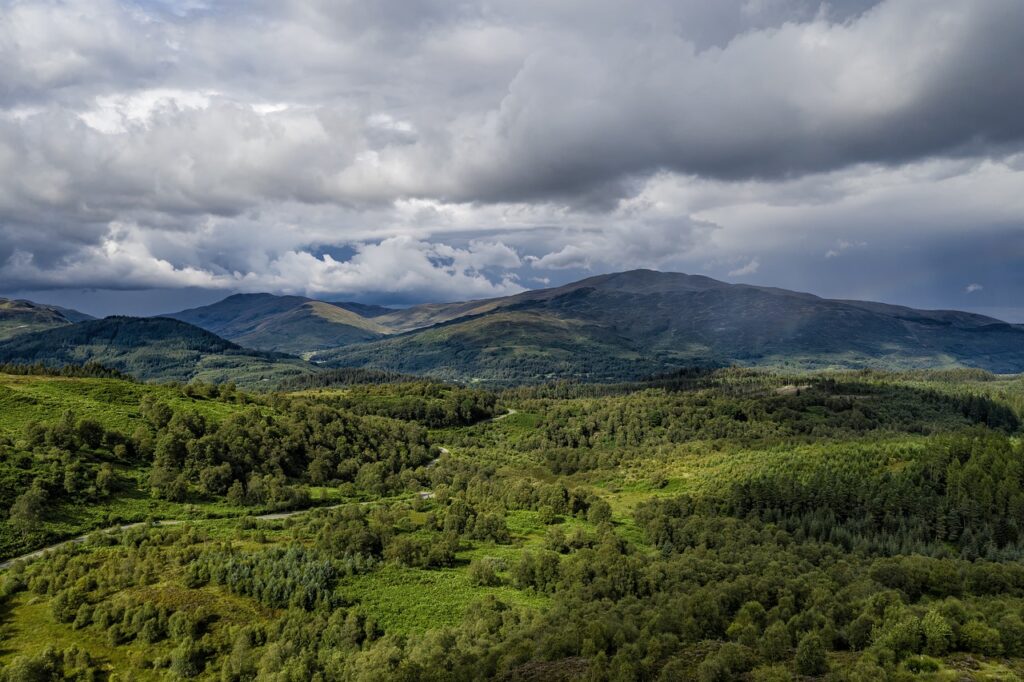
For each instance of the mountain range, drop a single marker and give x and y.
(604, 328)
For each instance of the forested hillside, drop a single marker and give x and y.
(706, 525)
(156, 348)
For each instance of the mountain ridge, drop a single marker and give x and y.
(157, 348)
(662, 321)
(21, 316)
(290, 324)
(611, 327)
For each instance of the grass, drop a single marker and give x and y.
(405, 600)
(29, 628)
(112, 402)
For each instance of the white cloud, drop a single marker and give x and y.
(752, 266)
(973, 287)
(843, 245)
(399, 266)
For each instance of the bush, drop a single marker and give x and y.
(599, 512)
(775, 642)
(483, 572)
(27, 511)
(187, 660)
(770, 673)
(726, 664)
(938, 635)
(978, 637)
(810, 655)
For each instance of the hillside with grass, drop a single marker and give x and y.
(289, 324)
(616, 327)
(627, 325)
(21, 317)
(158, 349)
(707, 525)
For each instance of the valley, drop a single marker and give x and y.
(512, 341)
(710, 524)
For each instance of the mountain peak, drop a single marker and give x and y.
(20, 316)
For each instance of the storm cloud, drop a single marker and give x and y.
(456, 150)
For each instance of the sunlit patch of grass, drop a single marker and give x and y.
(405, 600)
(29, 627)
(112, 402)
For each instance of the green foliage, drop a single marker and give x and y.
(714, 528)
(432, 404)
(977, 636)
(810, 655)
(938, 635)
(484, 571)
(151, 348)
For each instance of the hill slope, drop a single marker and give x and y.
(290, 324)
(21, 317)
(151, 348)
(627, 324)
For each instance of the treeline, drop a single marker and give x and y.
(89, 370)
(254, 456)
(429, 403)
(826, 409)
(682, 379)
(344, 376)
(466, 358)
(961, 495)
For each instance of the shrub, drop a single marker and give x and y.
(726, 664)
(775, 642)
(483, 572)
(978, 637)
(938, 635)
(922, 664)
(810, 655)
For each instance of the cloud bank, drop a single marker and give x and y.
(454, 150)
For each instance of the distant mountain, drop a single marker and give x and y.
(364, 309)
(606, 328)
(21, 317)
(290, 324)
(629, 324)
(151, 348)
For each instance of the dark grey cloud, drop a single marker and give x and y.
(904, 81)
(459, 149)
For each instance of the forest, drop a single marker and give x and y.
(711, 524)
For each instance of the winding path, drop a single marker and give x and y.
(174, 522)
(168, 522)
(502, 416)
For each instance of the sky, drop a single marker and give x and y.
(159, 154)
